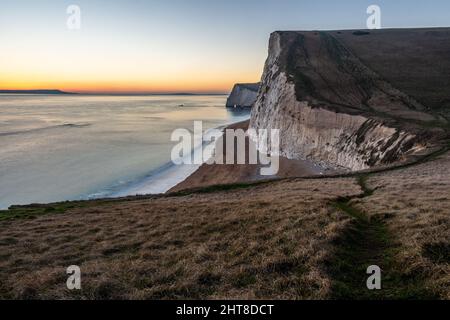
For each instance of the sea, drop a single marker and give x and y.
(76, 147)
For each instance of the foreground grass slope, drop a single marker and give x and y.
(289, 239)
(262, 242)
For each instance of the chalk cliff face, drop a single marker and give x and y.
(331, 108)
(243, 95)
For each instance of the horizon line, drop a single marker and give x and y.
(135, 93)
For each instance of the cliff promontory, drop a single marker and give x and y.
(243, 95)
(338, 103)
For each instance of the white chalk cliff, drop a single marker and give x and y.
(329, 107)
(243, 95)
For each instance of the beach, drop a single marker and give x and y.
(216, 174)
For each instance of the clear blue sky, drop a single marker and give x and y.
(171, 45)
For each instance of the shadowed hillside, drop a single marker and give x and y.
(413, 60)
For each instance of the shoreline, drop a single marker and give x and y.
(218, 174)
(161, 180)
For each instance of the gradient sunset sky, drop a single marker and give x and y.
(200, 46)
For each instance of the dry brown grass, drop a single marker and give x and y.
(416, 205)
(263, 242)
(274, 240)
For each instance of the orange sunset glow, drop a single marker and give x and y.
(136, 55)
(95, 74)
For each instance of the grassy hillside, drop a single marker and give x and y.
(399, 75)
(290, 239)
(413, 60)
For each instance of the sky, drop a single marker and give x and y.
(156, 46)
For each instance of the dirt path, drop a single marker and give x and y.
(367, 241)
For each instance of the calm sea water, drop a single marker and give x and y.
(55, 148)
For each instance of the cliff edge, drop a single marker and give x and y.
(339, 109)
(243, 95)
